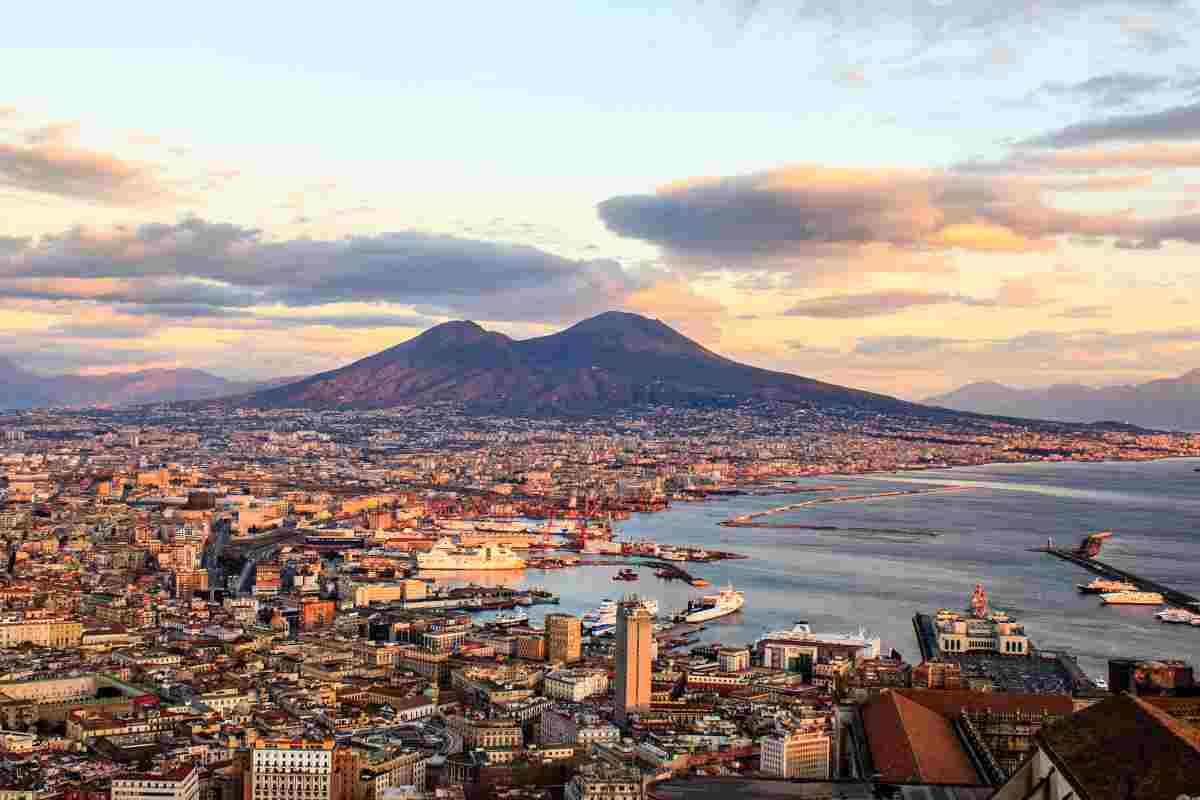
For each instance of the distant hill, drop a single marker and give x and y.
(611, 361)
(1170, 403)
(20, 389)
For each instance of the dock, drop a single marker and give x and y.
(1171, 596)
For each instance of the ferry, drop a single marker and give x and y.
(506, 619)
(1103, 585)
(445, 555)
(1178, 616)
(1132, 598)
(727, 601)
(802, 632)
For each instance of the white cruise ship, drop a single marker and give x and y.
(725, 602)
(1132, 598)
(445, 555)
(802, 632)
(604, 618)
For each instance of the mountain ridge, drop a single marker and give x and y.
(1164, 403)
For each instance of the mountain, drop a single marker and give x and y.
(1171, 403)
(20, 389)
(614, 360)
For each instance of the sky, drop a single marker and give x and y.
(897, 195)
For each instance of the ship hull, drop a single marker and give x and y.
(712, 613)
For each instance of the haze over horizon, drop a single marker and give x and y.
(897, 197)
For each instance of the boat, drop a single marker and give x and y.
(604, 618)
(672, 555)
(1177, 616)
(505, 619)
(1102, 585)
(1132, 598)
(700, 582)
(727, 601)
(446, 555)
(801, 632)
(625, 575)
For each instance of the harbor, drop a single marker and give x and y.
(1084, 556)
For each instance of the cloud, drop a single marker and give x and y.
(1180, 122)
(903, 345)
(1085, 312)
(47, 164)
(1110, 90)
(877, 304)
(222, 265)
(1099, 183)
(1151, 155)
(803, 217)
(1146, 34)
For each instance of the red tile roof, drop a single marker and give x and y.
(911, 744)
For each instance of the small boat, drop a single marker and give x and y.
(1132, 598)
(1176, 616)
(1102, 585)
(625, 575)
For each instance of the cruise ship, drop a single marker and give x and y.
(1103, 585)
(725, 602)
(801, 632)
(1132, 598)
(604, 619)
(446, 555)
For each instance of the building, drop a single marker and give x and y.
(291, 769)
(937, 675)
(605, 782)
(531, 648)
(316, 613)
(733, 659)
(801, 753)
(575, 684)
(563, 726)
(58, 633)
(1120, 749)
(190, 582)
(633, 658)
(486, 733)
(981, 630)
(182, 783)
(564, 636)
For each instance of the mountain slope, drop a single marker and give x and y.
(614, 360)
(1172, 403)
(21, 390)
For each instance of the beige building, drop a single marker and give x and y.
(575, 684)
(634, 639)
(605, 783)
(182, 783)
(291, 769)
(57, 633)
(564, 637)
(802, 753)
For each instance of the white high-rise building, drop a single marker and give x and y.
(802, 753)
(291, 769)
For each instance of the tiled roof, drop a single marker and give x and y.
(911, 744)
(1125, 749)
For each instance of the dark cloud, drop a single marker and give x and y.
(1111, 90)
(1181, 122)
(876, 304)
(198, 263)
(809, 220)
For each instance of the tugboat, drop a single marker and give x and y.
(626, 575)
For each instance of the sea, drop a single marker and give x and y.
(874, 563)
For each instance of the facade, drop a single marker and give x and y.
(567, 727)
(733, 659)
(291, 769)
(633, 658)
(575, 684)
(611, 783)
(180, 784)
(937, 675)
(801, 753)
(316, 613)
(56, 633)
(564, 635)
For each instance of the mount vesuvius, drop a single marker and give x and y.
(611, 361)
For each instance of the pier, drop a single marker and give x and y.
(1171, 596)
(751, 520)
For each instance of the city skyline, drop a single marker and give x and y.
(902, 198)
